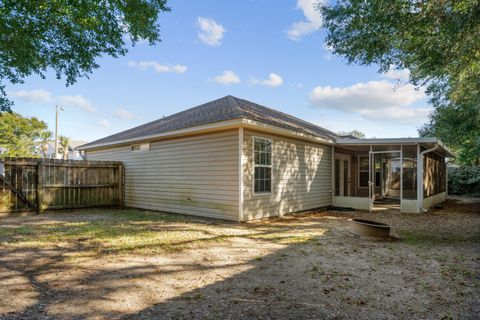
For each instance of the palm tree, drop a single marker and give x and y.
(64, 143)
(45, 137)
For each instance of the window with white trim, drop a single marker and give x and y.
(262, 158)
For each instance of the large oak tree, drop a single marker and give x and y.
(67, 36)
(437, 40)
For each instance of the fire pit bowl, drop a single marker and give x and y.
(368, 228)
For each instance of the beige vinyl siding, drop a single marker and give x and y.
(195, 175)
(301, 177)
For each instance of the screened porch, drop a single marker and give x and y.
(382, 174)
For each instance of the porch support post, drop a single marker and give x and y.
(240, 174)
(419, 180)
(370, 193)
(401, 176)
(446, 177)
(333, 176)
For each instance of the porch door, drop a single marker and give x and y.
(371, 180)
(342, 175)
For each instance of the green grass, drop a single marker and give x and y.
(458, 270)
(111, 231)
(419, 238)
(86, 232)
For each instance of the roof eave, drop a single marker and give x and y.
(223, 125)
(169, 134)
(390, 141)
(256, 125)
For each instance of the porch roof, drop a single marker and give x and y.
(389, 142)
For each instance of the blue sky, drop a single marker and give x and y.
(268, 52)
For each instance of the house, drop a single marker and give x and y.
(234, 159)
(73, 154)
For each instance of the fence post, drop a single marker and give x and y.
(40, 186)
(120, 186)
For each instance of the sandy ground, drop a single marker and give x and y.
(320, 270)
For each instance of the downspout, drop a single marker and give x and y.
(420, 176)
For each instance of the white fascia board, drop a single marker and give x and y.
(255, 125)
(390, 141)
(386, 141)
(191, 130)
(260, 126)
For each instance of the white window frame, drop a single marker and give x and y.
(358, 174)
(263, 193)
(143, 147)
(348, 158)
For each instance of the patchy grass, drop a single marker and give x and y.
(96, 264)
(419, 238)
(137, 231)
(117, 231)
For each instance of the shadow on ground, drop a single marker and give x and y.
(317, 269)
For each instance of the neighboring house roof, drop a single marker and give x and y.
(75, 143)
(348, 136)
(223, 109)
(72, 153)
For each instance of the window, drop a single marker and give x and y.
(262, 157)
(140, 147)
(363, 171)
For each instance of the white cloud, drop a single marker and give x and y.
(46, 97)
(36, 95)
(211, 32)
(398, 75)
(228, 77)
(103, 123)
(124, 114)
(376, 100)
(313, 20)
(157, 67)
(274, 80)
(76, 101)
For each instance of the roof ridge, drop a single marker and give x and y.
(225, 108)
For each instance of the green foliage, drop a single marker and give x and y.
(354, 132)
(18, 135)
(459, 128)
(436, 40)
(464, 180)
(64, 143)
(67, 36)
(45, 137)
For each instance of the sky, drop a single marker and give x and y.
(271, 53)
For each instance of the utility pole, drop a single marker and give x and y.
(57, 108)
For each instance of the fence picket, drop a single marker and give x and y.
(40, 184)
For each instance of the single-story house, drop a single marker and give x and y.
(234, 159)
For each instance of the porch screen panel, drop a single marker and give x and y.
(337, 177)
(363, 172)
(346, 192)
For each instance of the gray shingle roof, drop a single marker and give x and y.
(226, 108)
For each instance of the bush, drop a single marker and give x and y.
(464, 180)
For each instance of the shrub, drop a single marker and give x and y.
(464, 180)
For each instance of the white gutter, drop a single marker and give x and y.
(204, 128)
(246, 123)
(420, 176)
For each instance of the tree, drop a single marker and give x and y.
(354, 132)
(436, 40)
(45, 138)
(64, 144)
(19, 135)
(67, 36)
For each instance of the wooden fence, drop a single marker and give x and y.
(28, 184)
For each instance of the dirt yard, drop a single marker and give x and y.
(102, 264)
